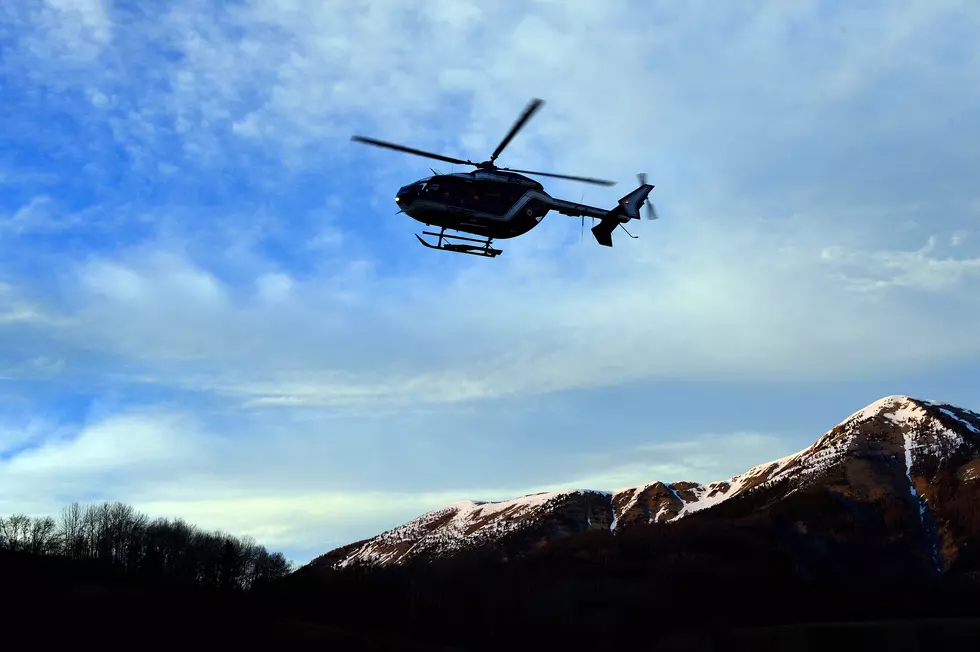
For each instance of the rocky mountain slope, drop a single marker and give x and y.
(898, 456)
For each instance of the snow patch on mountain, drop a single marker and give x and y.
(460, 525)
(969, 426)
(898, 408)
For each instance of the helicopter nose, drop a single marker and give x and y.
(406, 193)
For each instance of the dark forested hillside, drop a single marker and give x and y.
(122, 540)
(105, 573)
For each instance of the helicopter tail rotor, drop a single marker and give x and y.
(628, 209)
(629, 206)
(651, 213)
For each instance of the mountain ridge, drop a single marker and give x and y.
(895, 442)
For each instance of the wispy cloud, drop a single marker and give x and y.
(922, 269)
(720, 307)
(163, 461)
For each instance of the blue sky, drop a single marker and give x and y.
(209, 309)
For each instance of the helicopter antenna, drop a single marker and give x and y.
(582, 201)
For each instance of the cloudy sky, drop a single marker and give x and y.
(209, 309)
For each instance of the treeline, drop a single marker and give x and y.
(115, 535)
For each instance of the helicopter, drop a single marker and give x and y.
(497, 203)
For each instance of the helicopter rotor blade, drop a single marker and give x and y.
(529, 111)
(600, 182)
(410, 150)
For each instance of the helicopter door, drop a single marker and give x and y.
(495, 198)
(454, 193)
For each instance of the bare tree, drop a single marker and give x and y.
(231, 565)
(91, 531)
(209, 547)
(5, 539)
(41, 538)
(104, 533)
(70, 530)
(135, 540)
(123, 530)
(117, 534)
(250, 559)
(271, 566)
(15, 532)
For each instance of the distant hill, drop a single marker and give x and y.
(908, 461)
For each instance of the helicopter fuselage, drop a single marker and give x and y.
(488, 203)
(498, 203)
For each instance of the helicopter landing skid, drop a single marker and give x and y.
(481, 248)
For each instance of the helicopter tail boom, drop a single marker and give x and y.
(627, 209)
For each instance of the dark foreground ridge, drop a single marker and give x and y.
(868, 535)
(75, 603)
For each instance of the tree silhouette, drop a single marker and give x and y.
(70, 528)
(116, 535)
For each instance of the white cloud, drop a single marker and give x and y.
(26, 218)
(123, 442)
(70, 31)
(919, 270)
(686, 304)
(40, 216)
(274, 286)
(111, 458)
(15, 436)
(15, 309)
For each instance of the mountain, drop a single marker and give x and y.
(896, 471)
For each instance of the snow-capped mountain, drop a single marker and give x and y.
(897, 446)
